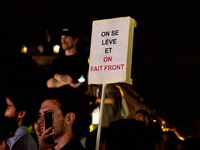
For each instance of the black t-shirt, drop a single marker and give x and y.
(73, 144)
(75, 66)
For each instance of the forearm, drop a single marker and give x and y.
(61, 80)
(53, 83)
(65, 79)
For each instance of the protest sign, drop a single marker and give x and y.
(111, 50)
(110, 55)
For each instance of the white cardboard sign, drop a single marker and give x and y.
(111, 50)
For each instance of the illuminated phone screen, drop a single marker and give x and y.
(81, 79)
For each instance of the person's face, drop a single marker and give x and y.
(141, 117)
(68, 42)
(52, 105)
(10, 110)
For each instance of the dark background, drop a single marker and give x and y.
(166, 54)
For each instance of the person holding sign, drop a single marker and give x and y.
(70, 69)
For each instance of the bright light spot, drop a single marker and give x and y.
(95, 116)
(24, 49)
(30, 129)
(168, 129)
(163, 122)
(154, 120)
(81, 79)
(120, 90)
(56, 49)
(91, 128)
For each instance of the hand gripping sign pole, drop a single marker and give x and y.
(111, 55)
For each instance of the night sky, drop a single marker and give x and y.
(166, 45)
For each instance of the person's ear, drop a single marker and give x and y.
(21, 114)
(76, 40)
(70, 117)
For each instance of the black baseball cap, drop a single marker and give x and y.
(69, 31)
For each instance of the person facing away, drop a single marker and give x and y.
(70, 69)
(171, 140)
(191, 143)
(92, 136)
(131, 134)
(144, 116)
(66, 108)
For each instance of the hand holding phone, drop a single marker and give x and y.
(43, 145)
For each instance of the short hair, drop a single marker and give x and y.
(23, 100)
(143, 111)
(21, 87)
(69, 100)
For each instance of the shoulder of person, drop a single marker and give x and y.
(26, 142)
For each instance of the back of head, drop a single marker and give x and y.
(189, 144)
(91, 138)
(129, 134)
(170, 137)
(143, 112)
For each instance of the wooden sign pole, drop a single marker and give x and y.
(100, 117)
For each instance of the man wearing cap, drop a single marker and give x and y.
(70, 69)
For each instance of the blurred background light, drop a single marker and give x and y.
(24, 49)
(56, 49)
(40, 49)
(91, 127)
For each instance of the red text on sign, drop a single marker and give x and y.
(107, 59)
(96, 68)
(113, 67)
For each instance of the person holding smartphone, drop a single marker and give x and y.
(63, 110)
(69, 68)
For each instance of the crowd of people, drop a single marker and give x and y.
(27, 94)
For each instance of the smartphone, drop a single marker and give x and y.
(81, 79)
(49, 123)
